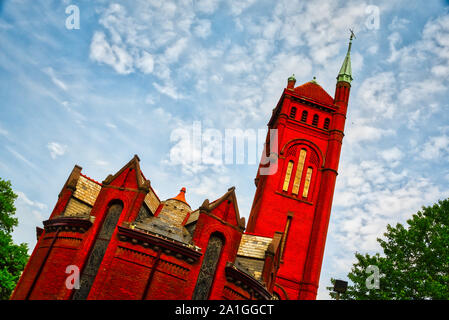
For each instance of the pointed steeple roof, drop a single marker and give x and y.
(345, 73)
(181, 196)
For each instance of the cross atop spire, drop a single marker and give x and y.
(345, 73)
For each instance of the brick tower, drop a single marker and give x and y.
(297, 198)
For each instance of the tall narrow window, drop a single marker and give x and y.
(288, 174)
(326, 123)
(284, 237)
(299, 169)
(293, 113)
(315, 120)
(307, 182)
(304, 116)
(208, 268)
(96, 255)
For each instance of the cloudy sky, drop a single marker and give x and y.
(135, 72)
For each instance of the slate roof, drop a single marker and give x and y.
(251, 254)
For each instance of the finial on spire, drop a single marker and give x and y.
(352, 35)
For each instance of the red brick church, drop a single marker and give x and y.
(125, 243)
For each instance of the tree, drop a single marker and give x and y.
(414, 264)
(12, 257)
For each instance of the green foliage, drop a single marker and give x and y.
(12, 257)
(415, 264)
(7, 209)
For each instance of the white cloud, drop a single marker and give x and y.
(202, 28)
(51, 73)
(377, 95)
(111, 125)
(435, 147)
(169, 90)
(392, 155)
(237, 7)
(362, 216)
(102, 163)
(173, 52)
(145, 63)
(359, 133)
(207, 6)
(23, 197)
(21, 157)
(25, 206)
(115, 56)
(56, 149)
(3, 132)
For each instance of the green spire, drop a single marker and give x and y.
(345, 73)
(292, 78)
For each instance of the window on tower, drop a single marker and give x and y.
(315, 120)
(326, 123)
(288, 174)
(299, 169)
(293, 113)
(305, 193)
(304, 116)
(301, 172)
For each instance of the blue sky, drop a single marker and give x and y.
(138, 70)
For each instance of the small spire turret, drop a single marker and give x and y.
(345, 73)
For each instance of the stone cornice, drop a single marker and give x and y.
(190, 253)
(67, 224)
(246, 282)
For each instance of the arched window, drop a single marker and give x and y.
(305, 193)
(326, 123)
(315, 120)
(288, 174)
(304, 116)
(98, 250)
(299, 169)
(293, 113)
(208, 267)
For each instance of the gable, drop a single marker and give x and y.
(225, 209)
(130, 176)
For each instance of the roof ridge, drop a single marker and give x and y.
(89, 178)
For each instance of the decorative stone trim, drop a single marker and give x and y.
(246, 282)
(67, 224)
(182, 251)
(294, 198)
